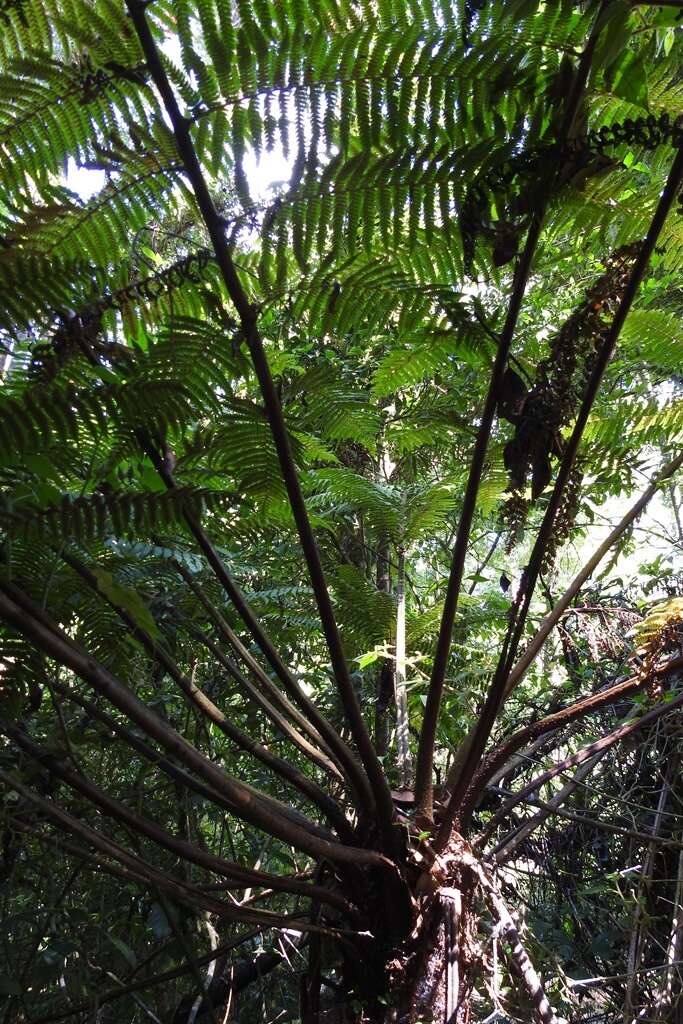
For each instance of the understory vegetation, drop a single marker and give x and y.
(341, 520)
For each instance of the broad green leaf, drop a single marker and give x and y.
(129, 600)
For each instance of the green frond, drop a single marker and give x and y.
(334, 409)
(654, 337)
(341, 489)
(369, 613)
(428, 508)
(241, 449)
(632, 428)
(419, 359)
(115, 514)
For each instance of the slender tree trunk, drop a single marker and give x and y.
(638, 937)
(667, 1001)
(385, 673)
(403, 758)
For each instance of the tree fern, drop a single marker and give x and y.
(286, 482)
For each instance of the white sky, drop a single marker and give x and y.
(271, 169)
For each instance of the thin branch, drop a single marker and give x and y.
(189, 953)
(336, 745)
(549, 622)
(554, 808)
(42, 930)
(551, 619)
(148, 875)
(506, 849)
(62, 725)
(248, 315)
(604, 743)
(664, 1006)
(275, 696)
(92, 710)
(252, 694)
(587, 706)
(482, 565)
(520, 759)
(591, 982)
(265, 799)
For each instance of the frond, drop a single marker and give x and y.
(117, 514)
(379, 504)
(367, 613)
(654, 337)
(334, 408)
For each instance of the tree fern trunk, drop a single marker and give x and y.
(419, 979)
